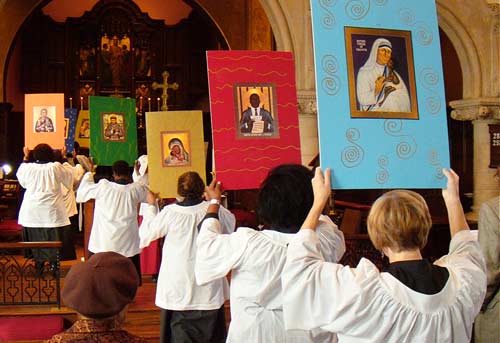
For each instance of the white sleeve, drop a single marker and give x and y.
(466, 259)
(65, 174)
(331, 239)
(153, 225)
(217, 253)
(87, 189)
(21, 174)
(227, 220)
(319, 294)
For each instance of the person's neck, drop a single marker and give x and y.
(403, 255)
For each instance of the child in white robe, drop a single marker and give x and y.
(256, 258)
(413, 300)
(190, 313)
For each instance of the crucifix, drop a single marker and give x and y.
(165, 86)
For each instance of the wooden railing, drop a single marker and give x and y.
(22, 282)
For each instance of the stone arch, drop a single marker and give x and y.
(279, 24)
(465, 48)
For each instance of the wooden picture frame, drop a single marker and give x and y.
(391, 64)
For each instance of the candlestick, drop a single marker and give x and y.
(158, 103)
(140, 104)
(70, 102)
(149, 104)
(81, 103)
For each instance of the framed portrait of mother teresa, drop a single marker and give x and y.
(381, 73)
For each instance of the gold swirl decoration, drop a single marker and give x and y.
(423, 34)
(330, 83)
(267, 148)
(224, 129)
(216, 102)
(327, 19)
(383, 174)
(433, 159)
(353, 154)
(257, 57)
(242, 170)
(272, 73)
(407, 147)
(429, 79)
(225, 69)
(260, 159)
(226, 85)
(288, 104)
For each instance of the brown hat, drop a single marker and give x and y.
(102, 286)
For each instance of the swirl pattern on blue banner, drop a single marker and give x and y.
(353, 154)
(383, 173)
(331, 84)
(407, 147)
(328, 19)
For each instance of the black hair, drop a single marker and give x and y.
(190, 186)
(121, 168)
(285, 197)
(43, 153)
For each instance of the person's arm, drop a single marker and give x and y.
(216, 253)
(154, 225)
(87, 189)
(331, 239)
(451, 196)
(322, 189)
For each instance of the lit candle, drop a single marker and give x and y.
(81, 103)
(140, 104)
(70, 102)
(149, 104)
(158, 102)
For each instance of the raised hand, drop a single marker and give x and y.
(213, 190)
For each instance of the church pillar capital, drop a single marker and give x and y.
(482, 112)
(307, 102)
(476, 109)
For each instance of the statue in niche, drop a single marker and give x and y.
(115, 53)
(143, 62)
(86, 56)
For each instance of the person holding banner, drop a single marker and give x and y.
(43, 213)
(190, 312)
(256, 258)
(115, 226)
(413, 300)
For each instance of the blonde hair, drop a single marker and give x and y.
(399, 220)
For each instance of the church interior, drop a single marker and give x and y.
(61, 46)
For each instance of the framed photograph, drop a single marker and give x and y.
(175, 148)
(256, 110)
(113, 127)
(44, 119)
(381, 73)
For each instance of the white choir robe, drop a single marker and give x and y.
(69, 193)
(115, 226)
(255, 260)
(43, 204)
(177, 289)
(364, 305)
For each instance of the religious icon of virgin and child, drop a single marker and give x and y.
(379, 87)
(256, 119)
(178, 154)
(44, 123)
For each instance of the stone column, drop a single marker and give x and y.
(481, 112)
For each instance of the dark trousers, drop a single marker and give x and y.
(194, 326)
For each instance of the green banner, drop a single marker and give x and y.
(113, 130)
